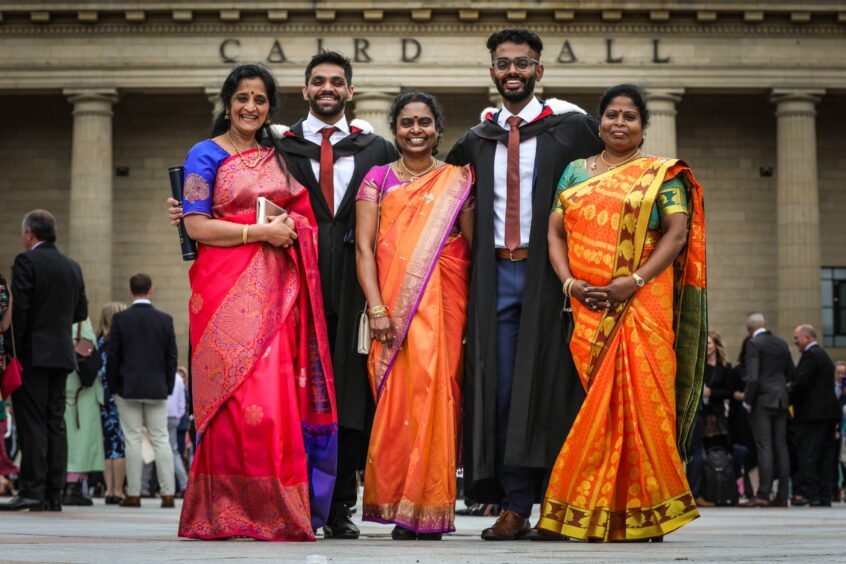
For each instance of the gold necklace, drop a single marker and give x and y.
(611, 166)
(243, 160)
(412, 176)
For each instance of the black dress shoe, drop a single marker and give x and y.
(340, 525)
(19, 503)
(52, 506)
(74, 496)
(538, 534)
(820, 503)
(430, 536)
(403, 534)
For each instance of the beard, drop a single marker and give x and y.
(334, 110)
(516, 95)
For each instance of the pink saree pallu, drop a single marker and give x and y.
(263, 390)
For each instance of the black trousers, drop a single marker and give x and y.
(815, 443)
(39, 406)
(769, 427)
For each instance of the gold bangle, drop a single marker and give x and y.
(245, 232)
(567, 288)
(376, 312)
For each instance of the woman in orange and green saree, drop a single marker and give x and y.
(415, 213)
(263, 392)
(627, 240)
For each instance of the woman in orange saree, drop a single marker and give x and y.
(631, 251)
(263, 394)
(417, 287)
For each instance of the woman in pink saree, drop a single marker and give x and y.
(263, 394)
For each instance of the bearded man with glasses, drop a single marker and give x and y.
(521, 389)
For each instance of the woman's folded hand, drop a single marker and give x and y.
(281, 231)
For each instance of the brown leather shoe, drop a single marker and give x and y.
(702, 502)
(130, 501)
(538, 534)
(167, 502)
(756, 502)
(509, 526)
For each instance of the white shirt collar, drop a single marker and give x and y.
(532, 110)
(811, 344)
(38, 244)
(312, 125)
(142, 301)
(759, 331)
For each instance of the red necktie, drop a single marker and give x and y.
(327, 168)
(512, 185)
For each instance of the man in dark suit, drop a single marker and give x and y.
(330, 157)
(49, 296)
(815, 417)
(521, 389)
(769, 368)
(141, 371)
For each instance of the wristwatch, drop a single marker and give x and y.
(638, 280)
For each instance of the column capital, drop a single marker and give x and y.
(796, 101)
(664, 94)
(213, 95)
(372, 94)
(92, 100)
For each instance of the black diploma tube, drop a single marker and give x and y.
(189, 247)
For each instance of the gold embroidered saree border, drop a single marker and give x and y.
(605, 525)
(413, 517)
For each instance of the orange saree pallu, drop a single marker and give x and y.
(424, 279)
(263, 391)
(619, 475)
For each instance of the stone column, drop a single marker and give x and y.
(798, 224)
(374, 106)
(661, 133)
(90, 228)
(213, 95)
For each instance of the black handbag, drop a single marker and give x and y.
(88, 360)
(567, 323)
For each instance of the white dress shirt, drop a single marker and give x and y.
(528, 148)
(344, 166)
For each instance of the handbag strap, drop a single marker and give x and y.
(12, 333)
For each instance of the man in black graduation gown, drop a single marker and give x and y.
(521, 390)
(332, 170)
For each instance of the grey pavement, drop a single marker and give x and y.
(112, 534)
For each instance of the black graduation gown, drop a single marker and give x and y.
(547, 393)
(343, 299)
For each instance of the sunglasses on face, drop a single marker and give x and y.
(520, 63)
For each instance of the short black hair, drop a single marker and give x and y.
(140, 284)
(629, 91)
(518, 35)
(41, 224)
(325, 57)
(230, 85)
(411, 96)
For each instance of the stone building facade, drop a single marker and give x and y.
(99, 98)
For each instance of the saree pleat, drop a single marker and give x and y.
(619, 475)
(424, 279)
(262, 384)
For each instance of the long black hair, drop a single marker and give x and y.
(411, 96)
(230, 85)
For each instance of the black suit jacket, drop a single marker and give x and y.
(343, 299)
(141, 362)
(48, 298)
(769, 368)
(812, 391)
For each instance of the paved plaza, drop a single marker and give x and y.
(111, 534)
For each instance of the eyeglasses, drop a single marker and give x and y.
(520, 63)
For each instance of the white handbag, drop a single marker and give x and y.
(364, 340)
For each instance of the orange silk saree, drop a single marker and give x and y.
(424, 271)
(619, 475)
